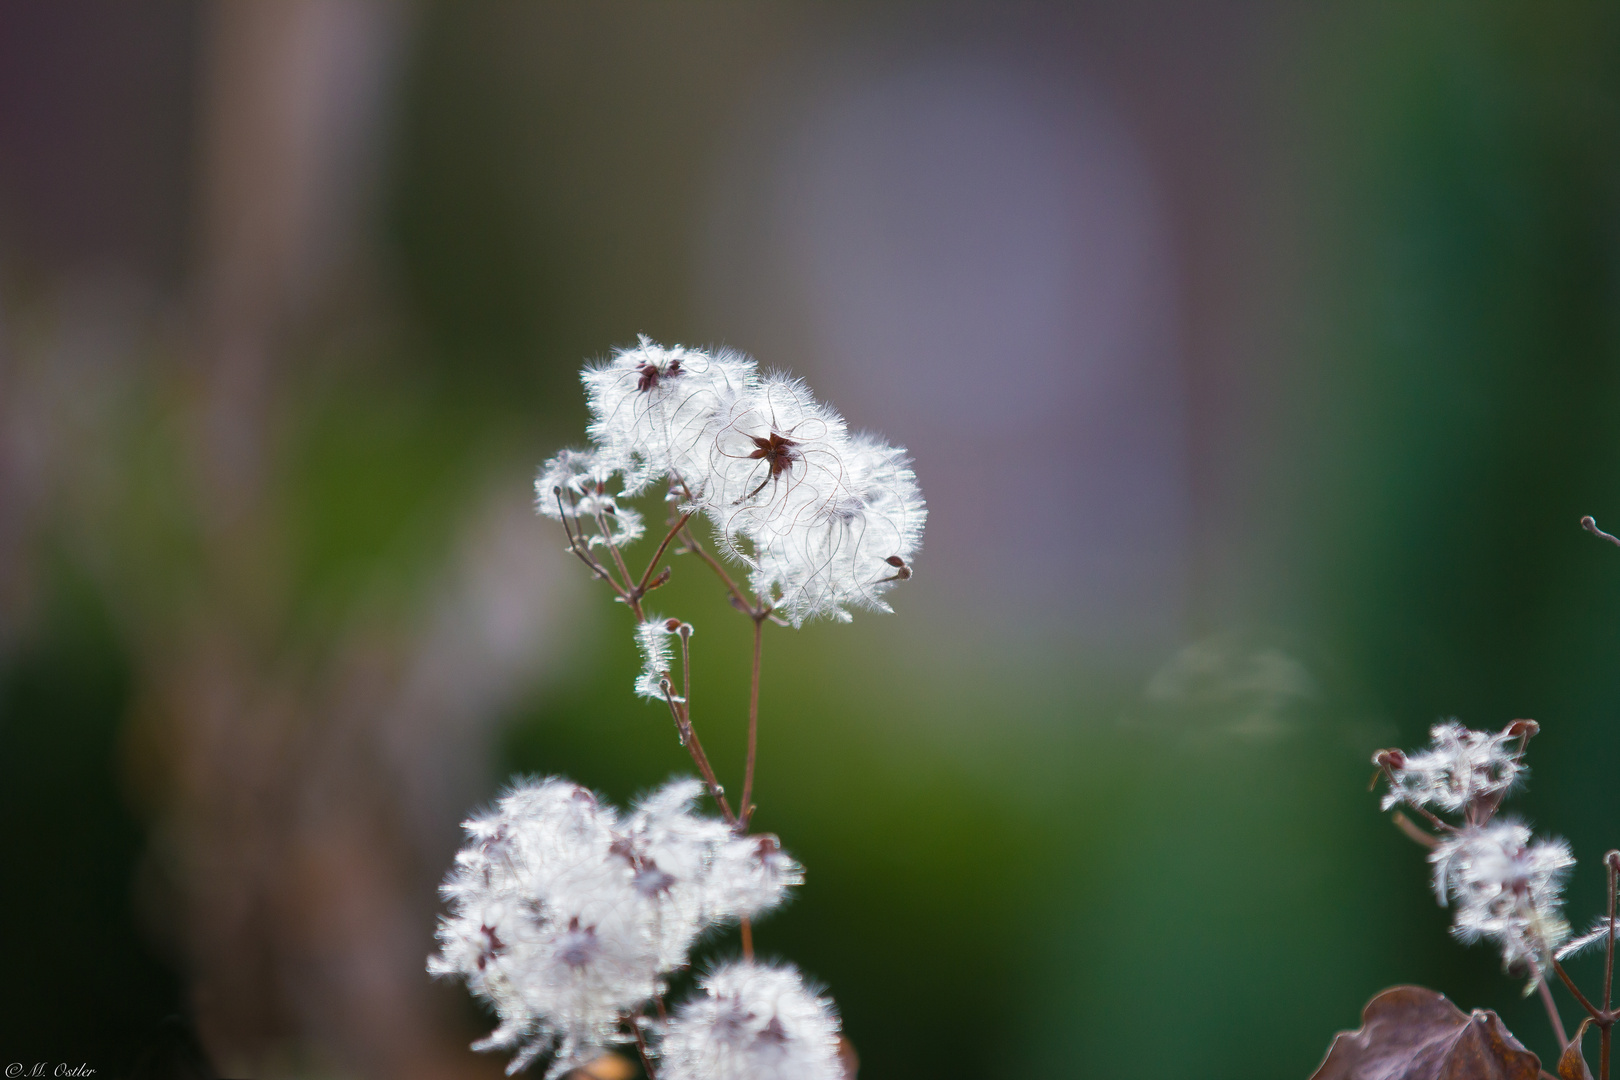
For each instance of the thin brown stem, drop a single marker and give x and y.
(1552, 1014)
(583, 549)
(747, 939)
(747, 804)
(1604, 1033)
(1590, 525)
(641, 1048)
(1612, 862)
(1600, 1015)
(1432, 819)
(1428, 815)
(694, 746)
(631, 598)
(646, 576)
(1410, 828)
(697, 548)
(685, 634)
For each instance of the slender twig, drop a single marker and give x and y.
(631, 598)
(1612, 863)
(1429, 816)
(641, 1048)
(696, 548)
(747, 805)
(1600, 1015)
(680, 711)
(1410, 828)
(685, 634)
(694, 746)
(646, 576)
(583, 551)
(1590, 525)
(1606, 1031)
(1552, 1014)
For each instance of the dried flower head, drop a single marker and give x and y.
(1505, 888)
(1461, 768)
(578, 484)
(652, 637)
(652, 409)
(753, 1022)
(776, 462)
(566, 918)
(855, 548)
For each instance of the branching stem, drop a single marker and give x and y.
(697, 548)
(646, 576)
(1601, 1017)
(694, 746)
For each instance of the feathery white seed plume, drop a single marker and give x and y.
(856, 548)
(752, 1021)
(1506, 888)
(577, 484)
(825, 520)
(1461, 767)
(776, 462)
(652, 637)
(566, 917)
(1597, 935)
(652, 408)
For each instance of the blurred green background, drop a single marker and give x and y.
(1258, 361)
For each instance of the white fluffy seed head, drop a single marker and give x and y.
(580, 485)
(1460, 767)
(752, 1021)
(652, 638)
(776, 462)
(1505, 888)
(856, 548)
(652, 409)
(566, 917)
(826, 521)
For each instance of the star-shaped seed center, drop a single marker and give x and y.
(650, 374)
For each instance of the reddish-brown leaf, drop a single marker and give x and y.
(1410, 1033)
(1571, 1065)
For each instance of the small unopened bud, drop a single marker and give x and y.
(1389, 759)
(1612, 860)
(1522, 729)
(895, 560)
(672, 625)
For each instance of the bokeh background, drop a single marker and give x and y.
(1258, 360)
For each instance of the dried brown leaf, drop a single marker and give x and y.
(1571, 1065)
(1411, 1033)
